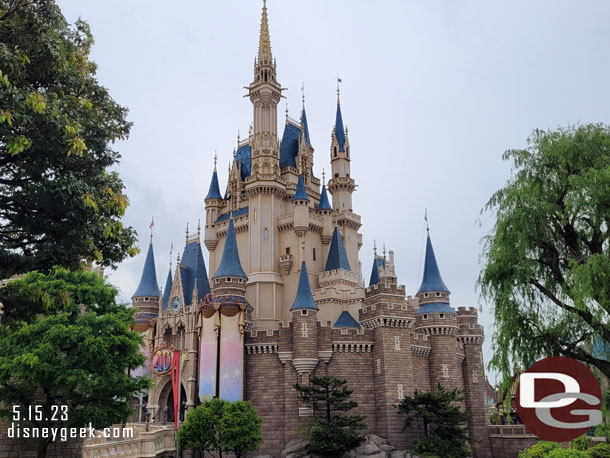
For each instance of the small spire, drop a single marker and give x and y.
(152, 224)
(238, 138)
(427, 225)
(178, 259)
(148, 282)
(301, 193)
(323, 178)
(303, 299)
(187, 230)
(198, 227)
(215, 159)
(230, 265)
(431, 280)
(303, 93)
(375, 248)
(384, 252)
(338, 89)
(264, 42)
(337, 257)
(286, 111)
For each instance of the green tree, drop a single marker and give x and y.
(445, 433)
(547, 258)
(59, 202)
(599, 451)
(331, 430)
(539, 450)
(219, 426)
(567, 453)
(64, 341)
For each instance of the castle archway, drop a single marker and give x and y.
(166, 403)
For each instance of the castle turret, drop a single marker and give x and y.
(341, 185)
(301, 209)
(436, 319)
(470, 334)
(230, 277)
(325, 210)
(337, 258)
(146, 297)
(167, 290)
(213, 203)
(304, 328)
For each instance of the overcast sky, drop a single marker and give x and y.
(433, 93)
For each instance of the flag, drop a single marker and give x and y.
(152, 223)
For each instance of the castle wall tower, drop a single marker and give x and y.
(147, 296)
(470, 334)
(436, 319)
(388, 316)
(304, 331)
(213, 204)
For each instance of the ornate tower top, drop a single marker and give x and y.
(304, 299)
(264, 41)
(432, 281)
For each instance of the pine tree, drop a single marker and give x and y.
(331, 430)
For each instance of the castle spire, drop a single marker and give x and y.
(431, 280)
(230, 265)
(148, 282)
(304, 299)
(337, 257)
(264, 41)
(324, 202)
(168, 288)
(214, 192)
(301, 193)
(339, 129)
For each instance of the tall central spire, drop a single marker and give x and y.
(264, 42)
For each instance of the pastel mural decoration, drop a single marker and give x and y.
(162, 360)
(208, 352)
(144, 370)
(231, 359)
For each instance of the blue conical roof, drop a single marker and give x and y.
(377, 263)
(432, 280)
(337, 257)
(324, 202)
(339, 130)
(301, 193)
(304, 299)
(305, 127)
(167, 290)
(193, 272)
(230, 266)
(148, 283)
(214, 192)
(346, 320)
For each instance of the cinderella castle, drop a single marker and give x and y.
(283, 296)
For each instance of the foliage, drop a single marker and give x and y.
(444, 423)
(331, 431)
(65, 341)
(566, 453)
(219, 426)
(539, 450)
(581, 443)
(547, 258)
(59, 203)
(599, 451)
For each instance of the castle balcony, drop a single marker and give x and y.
(286, 263)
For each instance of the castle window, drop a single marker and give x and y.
(335, 151)
(287, 250)
(438, 294)
(397, 343)
(441, 316)
(266, 234)
(146, 299)
(229, 280)
(347, 151)
(425, 317)
(336, 175)
(445, 371)
(314, 254)
(304, 312)
(240, 280)
(344, 331)
(426, 295)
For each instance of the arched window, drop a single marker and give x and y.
(266, 234)
(335, 151)
(314, 254)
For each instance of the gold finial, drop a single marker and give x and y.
(215, 159)
(303, 93)
(323, 178)
(375, 248)
(264, 41)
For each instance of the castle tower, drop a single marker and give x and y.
(146, 297)
(304, 328)
(265, 93)
(470, 335)
(222, 324)
(300, 213)
(389, 318)
(213, 203)
(341, 186)
(436, 319)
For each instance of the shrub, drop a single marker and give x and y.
(599, 451)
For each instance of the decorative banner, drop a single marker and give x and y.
(231, 359)
(176, 386)
(208, 351)
(162, 360)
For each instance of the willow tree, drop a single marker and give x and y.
(546, 262)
